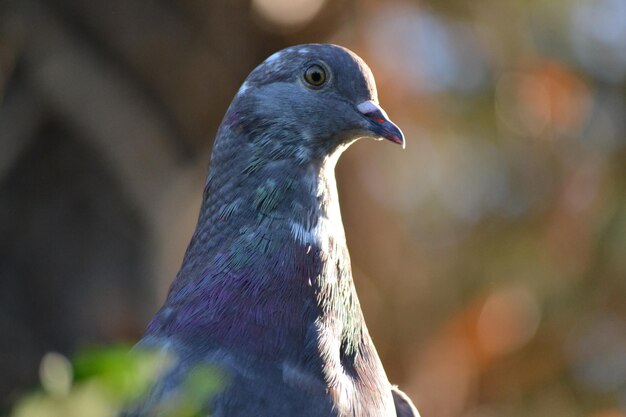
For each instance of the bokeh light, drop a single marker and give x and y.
(55, 373)
(508, 320)
(598, 34)
(424, 52)
(287, 14)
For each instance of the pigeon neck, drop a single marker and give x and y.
(269, 253)
(253, 196)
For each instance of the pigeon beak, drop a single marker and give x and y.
(380, 123)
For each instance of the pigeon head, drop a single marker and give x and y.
(308, 101)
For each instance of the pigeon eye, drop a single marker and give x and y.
(315, 75)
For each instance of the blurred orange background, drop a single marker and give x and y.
(489, 256)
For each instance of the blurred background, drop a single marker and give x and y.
(489, 256)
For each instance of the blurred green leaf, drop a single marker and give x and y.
(124, 374)
(107, 380)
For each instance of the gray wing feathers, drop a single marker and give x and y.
(404, 405)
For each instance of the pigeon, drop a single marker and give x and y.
(265, 294)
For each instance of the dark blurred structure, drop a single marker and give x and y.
(490, 256)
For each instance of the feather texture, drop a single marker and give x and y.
(265, 292)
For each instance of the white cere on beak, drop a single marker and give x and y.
(370, 107)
